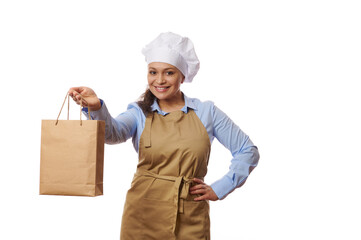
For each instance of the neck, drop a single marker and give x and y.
(173, 104)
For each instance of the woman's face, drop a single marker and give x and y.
(164, 80)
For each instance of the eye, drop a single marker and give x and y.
(170, 73)
(151, 72)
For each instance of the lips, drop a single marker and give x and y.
(161, 89)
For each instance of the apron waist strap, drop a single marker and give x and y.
(181, 190)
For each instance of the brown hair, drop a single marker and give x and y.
(145, 102)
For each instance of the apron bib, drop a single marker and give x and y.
(173, 149)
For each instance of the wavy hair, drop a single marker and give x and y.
(145, 101)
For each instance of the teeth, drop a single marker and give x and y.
(161, 88)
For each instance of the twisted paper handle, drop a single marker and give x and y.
(81, 106)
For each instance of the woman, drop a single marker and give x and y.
(172, 135)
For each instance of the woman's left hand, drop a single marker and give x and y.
(205, 190)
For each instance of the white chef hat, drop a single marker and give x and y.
(175, 50)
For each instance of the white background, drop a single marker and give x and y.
(285, 71)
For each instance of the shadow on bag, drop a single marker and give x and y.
(72, 156)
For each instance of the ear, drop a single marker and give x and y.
(182, 78)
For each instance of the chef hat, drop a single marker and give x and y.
(175, 50)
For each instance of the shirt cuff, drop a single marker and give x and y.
(96, 115)
(223, 187)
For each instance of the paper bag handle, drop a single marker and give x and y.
(81, 106)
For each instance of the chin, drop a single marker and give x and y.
(161, 96)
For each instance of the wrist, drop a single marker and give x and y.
(95, 107)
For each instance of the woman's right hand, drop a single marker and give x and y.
(91, 100)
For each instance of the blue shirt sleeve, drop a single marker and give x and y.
(119, 129)
(245, 153)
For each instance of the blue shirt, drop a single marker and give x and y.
(130, 124)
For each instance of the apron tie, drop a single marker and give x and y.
(147, 129)
(181, 190)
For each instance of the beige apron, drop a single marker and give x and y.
(173, 149)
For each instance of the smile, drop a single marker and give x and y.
(161, 89)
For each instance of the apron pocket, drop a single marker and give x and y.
(194, 222)
(157, 218)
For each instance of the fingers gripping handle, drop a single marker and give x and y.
(81, 106)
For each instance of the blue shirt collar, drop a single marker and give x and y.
(188, 103)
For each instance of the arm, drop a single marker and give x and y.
(245, 153)
(119, 129)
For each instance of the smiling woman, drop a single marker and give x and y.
(172, 134)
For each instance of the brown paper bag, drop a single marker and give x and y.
(72, 157)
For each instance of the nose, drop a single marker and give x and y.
(160, 79)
